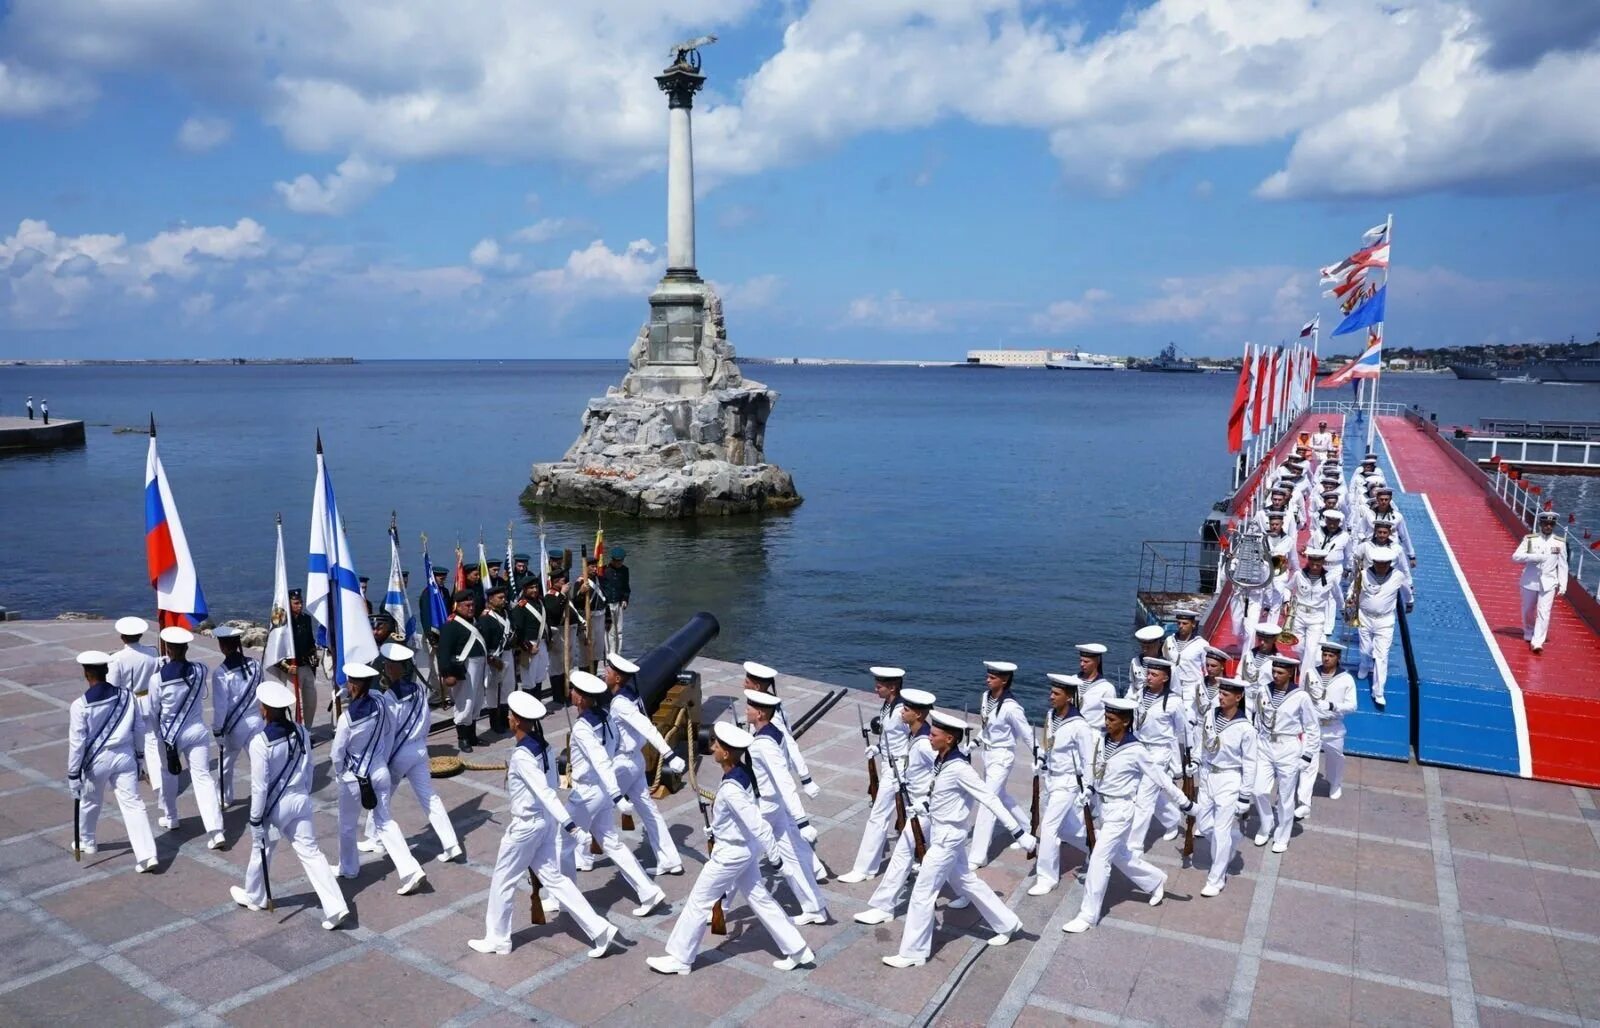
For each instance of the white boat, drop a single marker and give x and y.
(1074, 360)
(1517, 380)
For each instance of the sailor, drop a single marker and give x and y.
(1382, 538)
(1367, 472)
(280, 797)
(499, 670)
(1378, 591)
(1322, 442)
(779, 802)
(954, 788)
(1186, 648)
(1063, 766)
(529, 844)
(1333, 695)
(1315, 595)
(618, 591)
(890, 746)
(463, 667)
(1332, 539)
(1163, 722)
(1151, 641)
(1255, 666)
(497, 576)
(363, 740)
(915, 779)
(1228, 744)
(1543, 556)
(1382, 510)
(105, 745)
(558, 562)
(134, 668)
(234, 717)
(408, 750)
(303, 630)
(1277, 503)
(1121, 764)
(764, 679)
(595, 790)
(180, 698)
(1290, 737)
(634, 729)
(527, 634)
(1216, 665)
(737, 837)
(520, 575)
(425, 604)
(1004, 727)
(1285, 560)
(1096, 689)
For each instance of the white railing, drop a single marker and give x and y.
(1526, 504)
(1555, 453)
(1351, 410)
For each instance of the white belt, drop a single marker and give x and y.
(1104, 798)
(1219, 767)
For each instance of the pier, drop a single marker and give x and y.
(22, 434)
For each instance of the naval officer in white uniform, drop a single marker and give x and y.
(105, 739)
(134, 668)
(235, 717)
(1543, 556)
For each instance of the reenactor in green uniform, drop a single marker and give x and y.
(495, 624)
(528, 623)
(463, 667)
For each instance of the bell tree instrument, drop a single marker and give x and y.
(1249, 567)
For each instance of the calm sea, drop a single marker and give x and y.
(951, 515)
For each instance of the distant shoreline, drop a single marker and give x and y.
(47, 362)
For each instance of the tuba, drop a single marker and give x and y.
(1250, 568)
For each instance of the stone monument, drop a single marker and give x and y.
(684, 435)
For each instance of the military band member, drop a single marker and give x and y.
(1332, 538)
(1186, 648)
(917, 776)
(463, 667)
(1162, 721)
(1096, 688)
(764, 679)
(1382, 510)
(1281, 548)
(1543, 556)
(528, 627)
(1277, 503)
(595, 790)
(1333, 695)
(105, 744)
(1290, 735)
(618, 591)
(738, 835)
(1228, 744)
(779, 802)
(634, 730)
(954, 788)
(280, 797)
(1121, 764)
(134, 667)
(1003, 727)
(1063, 766)
(303, 631)
(408, 752)
(363, 740)
(1255, 666)
(891, 744)
(234, 711)
(180, 698)
(1216, 665)
(1315, 595)
(536, 816)
(499, 672)
(1367, 472)
(1382, 589)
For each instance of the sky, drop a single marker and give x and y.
(875, 178)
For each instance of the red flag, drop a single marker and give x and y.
(1536, 490)
(1548, 504)
(1258, 406)
(460, 577)
(1272, 386)
(1241, 405)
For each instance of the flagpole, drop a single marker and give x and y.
(1372, 396)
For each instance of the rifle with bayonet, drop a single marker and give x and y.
(1088, 801)
(872, 760)
(1038, 773)
(1190, 793)
(902, 802)
(719, 919)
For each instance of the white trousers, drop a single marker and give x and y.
(1330, 761)
(388, 833)
(229, 746)
(995, 774)
(1536, 604)
(1060, 821)
(120, 772)
(616, 629)
(467, 693)
(735, 870)
(295, 826)
(901, 856)
(411, 766)
(1277, 766)
(797, 859)
(1375, 641)
(1113, 848)
(154, 758)
(194, 744)
(1217, 818)
(1311, 631)
(307, 677)
(593, 812)
(531, 843)
(535, 669)
(947, 862)
(869, 855)
(498, 684)
(632, 782)
(1153, 802)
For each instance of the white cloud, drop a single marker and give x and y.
(1224, 303)
(199, 133)
(25, 92)
(355, 181)
(752, 294)
(597, 270)
(488, 256)
(895, 313)
(1066, 315)
(546, 229)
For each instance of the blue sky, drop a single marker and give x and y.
(878, 178)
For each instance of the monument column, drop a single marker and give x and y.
(680, 83)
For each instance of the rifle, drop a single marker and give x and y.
(1088, 804)
(1037, 775)
(266, 877)
(535, 902)
(719, 918)
(902, 801)
(77, 836)
(872, 762)
(1189, 792)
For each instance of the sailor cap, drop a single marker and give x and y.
(1370, 458)
(1330, 645)
(918, 698)
(1276, 514)
(1269, 628)
(1064, 681)
(1232, 684)
(760, 672)
(440, 572)
(1218, 652)
(588, 684)
(1287, 661)
(1279, 490)
(1333, 515)
(1544, 515)
(1383, 490)
(1186, 612)
(1121, 704)
(887, 674)
(526, 705)
(949, 722)
(1150, 634)
(1092, 649)
(352, 669)
(1383, 554)
(177, 636)
(92, 658)
(274, 694)
(1000, 667)
(131, 626)
(395, 651)
(1315, 553)
(496, 590)
(757, 698)
(622, 663)
(226, 632)
(732, 736)
(1156, 662)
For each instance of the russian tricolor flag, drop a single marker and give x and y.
(179, 598)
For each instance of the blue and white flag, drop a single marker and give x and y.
(394, 600)
(333, 590)
(438, 609)
(1366, 315)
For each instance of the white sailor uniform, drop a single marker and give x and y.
(1120, 769)
(105, 732)
(1092, 698)
(1163, 724)
(595, 793)
(892, 745)
(1332, 697)
(235, 716)
(1544, 574)
(1066, 774)
(362, 742)
(135, 667)
(1227, 780)
(1188, 658)
(779, 802)
(633, 730)
(1289, 736)
(181, 691)
(1004, 728)
(1378, 601)
(918, 778)
(280, 797)
(408, 759)
(1316, 601)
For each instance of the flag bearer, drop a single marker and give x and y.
(529, 844)
(1163, 723)
(104, 746)
(738, 836)
(134, 668)
(280, 797)
(1543, 556)
(633, 729)
(891, 745)
(1289, 737)
(947, 807)
(499, 674)
(779, 802)
(408, 753)
(362, 742)
(1228, 743)
(234, 711)
(1333, 695)
(915, 707)
(1096, 689)
(1064, 766)
(180, 695)
(1382, 589)
(463, 666)
(560, 620)
(1004, 727)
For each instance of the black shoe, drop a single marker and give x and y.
(463, 739)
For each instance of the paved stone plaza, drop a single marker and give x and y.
(1423, 896)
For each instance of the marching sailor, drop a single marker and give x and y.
(1366, 473)
(530, 840)
(1216, 664)
(892, 743)
(1333, 695)
(105, 744)
(1096, 689)
(408, 750)
(1002, 729)
(280, 797)
(234, 711)
(134, 668)
(180, 696)
(1186, 648)
(1315, 595)
(1120, 765)
(463, 666)
(764, 679)
(1162, 722)
(1382, 510)
(528, 631)
(915, 779)
(1543, 556)
(363, 740)
(1285, 561)
(1255, 666)
(499, 672)
(1322, 442)
(1290, 736)
(1331, 538)
(1382, 587)
(779, 802)
(737, 836)
(1151, 642)
(634, 729)
(1227, 778)
(595, 791)
(954, 788)
(1064, 766)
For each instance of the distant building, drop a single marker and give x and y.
(1009, 358)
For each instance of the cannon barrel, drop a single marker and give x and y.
(659, 667)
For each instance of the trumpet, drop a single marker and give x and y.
(1352, 601)
(1288, 636)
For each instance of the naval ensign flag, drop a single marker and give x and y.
(333, 591)
(280, 634)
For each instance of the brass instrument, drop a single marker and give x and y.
(1250, 568)
(1288, 636)
(1352, 602)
